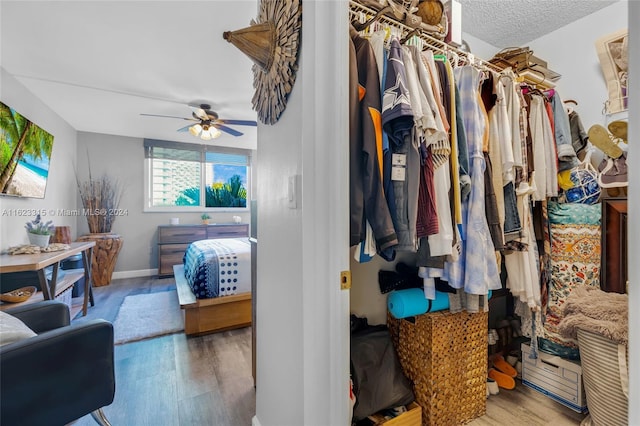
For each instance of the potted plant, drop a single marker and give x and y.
(100, 201)
(39, 232)
(205, 218)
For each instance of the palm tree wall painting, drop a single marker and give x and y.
(25, 155)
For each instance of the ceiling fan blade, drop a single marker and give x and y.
(240, 122)
(184, 129)
(168, 116)
(200, 114)
(228, 130)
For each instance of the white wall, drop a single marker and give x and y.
(280, 281)
(302, 316)
(61, 186)
(571, 52)
(366, 299)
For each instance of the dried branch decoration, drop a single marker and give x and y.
(100, 199)
(272, 44)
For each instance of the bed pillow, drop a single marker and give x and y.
(12, 329)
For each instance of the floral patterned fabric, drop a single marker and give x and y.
(575, 261)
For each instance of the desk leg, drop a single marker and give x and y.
(49, 286)
(87, 255)
(44, 285)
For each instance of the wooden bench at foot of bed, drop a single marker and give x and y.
(209, 315)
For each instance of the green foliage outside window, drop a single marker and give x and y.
(229, 194)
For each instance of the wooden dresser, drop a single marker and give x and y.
(174, 239)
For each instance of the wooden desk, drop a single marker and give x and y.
(37, 262)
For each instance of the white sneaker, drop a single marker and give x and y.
(491, 339)
(492, 386)
(518, 368)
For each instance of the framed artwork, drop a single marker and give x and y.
(25, 155)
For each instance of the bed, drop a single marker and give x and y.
(214, 285)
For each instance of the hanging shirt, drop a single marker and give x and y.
(367, 202)
(562, 131)
(536, 114)
(398, 122)
(476, 270)
(551, 150)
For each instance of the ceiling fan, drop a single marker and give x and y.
(207, 124)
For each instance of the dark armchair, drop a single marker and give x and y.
(60, 375)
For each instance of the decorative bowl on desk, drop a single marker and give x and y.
(18, 295)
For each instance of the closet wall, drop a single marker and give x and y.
(577, 61)
(571, 52)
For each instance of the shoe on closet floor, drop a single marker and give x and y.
(492, 386)
(492, 337)
(504, 381)
(518, 368)
(503, 366)
(513, 357)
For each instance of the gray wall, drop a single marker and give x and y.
(123, 157)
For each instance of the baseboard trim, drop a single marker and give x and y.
(255, 421)
(134, 274)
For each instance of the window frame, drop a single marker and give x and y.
(202, 149)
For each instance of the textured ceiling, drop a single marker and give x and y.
(506, 23)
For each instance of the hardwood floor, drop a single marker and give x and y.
(176, 380)
(525, 406)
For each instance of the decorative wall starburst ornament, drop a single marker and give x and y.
(272, 43)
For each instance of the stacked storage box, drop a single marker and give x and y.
(558, 378)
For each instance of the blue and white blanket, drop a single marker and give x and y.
(218, 267)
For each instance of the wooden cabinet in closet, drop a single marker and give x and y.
(613, 267)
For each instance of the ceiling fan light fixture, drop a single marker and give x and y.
(195, 129)
(210, 133)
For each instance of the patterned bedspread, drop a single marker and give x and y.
(218, 267)
(575, 262)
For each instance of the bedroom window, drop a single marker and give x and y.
(191, 177)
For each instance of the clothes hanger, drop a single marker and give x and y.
(360, 26)
(414, 32)
(569, 105)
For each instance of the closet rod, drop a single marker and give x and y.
(356, 9)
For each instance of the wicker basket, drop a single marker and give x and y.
(18, 295)
(445, 355)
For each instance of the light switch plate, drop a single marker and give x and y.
(292, 192)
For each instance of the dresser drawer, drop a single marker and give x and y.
(169, 255)
(180, 234)
(228, 231)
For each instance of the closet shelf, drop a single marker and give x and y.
(357, 11)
